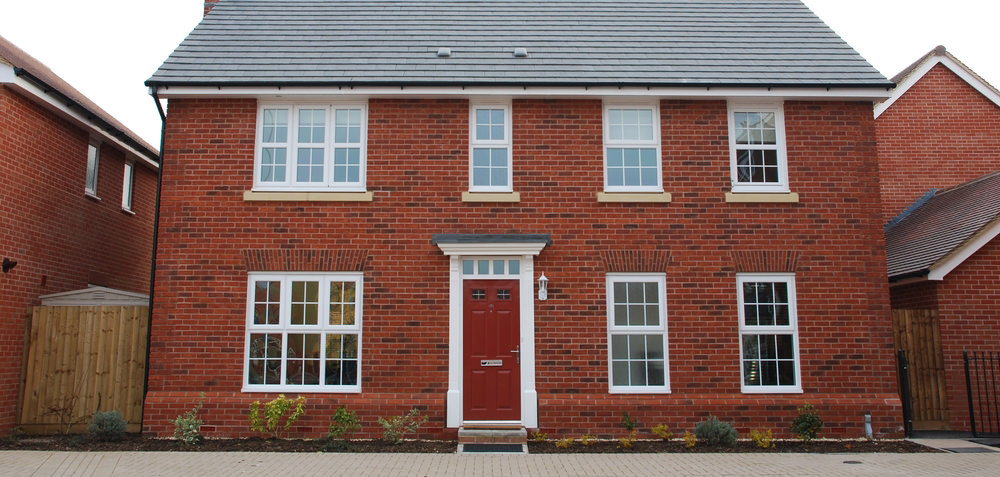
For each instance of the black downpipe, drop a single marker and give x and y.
(906, 399)
(152, 268)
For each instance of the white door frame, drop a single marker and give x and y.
(524, 251)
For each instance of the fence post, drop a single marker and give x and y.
(904, 391)
(968, 392)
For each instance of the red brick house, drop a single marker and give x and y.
(77, 199)
(939, 152)
(360, 200)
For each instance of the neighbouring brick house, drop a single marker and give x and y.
(360, 199)
(939, 153)
(77, 199)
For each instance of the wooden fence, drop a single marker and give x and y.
(918, 333)
(80, 360)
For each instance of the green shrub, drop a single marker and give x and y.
(107, 426)
(539, 436)
(628, 423)
(397, 426)
(808, 423)
(187, 426)
(715, 432)
(564, 443)
(343, 424)
(626, 442)
(690, 440)
(587, 440)
(269, 423)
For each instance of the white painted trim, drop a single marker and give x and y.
(961, 70)
(21, 85)
(949, 262)
(492, 249)
(698, 92)
(529, 395)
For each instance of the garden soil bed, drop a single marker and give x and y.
(136, 442)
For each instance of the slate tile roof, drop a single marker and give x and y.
(942, 224)
(569, 42)
(26, 63)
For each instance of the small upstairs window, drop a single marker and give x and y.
(632, 149)
(127, 181)
(92, 163)
(490, 168)
(757, 148)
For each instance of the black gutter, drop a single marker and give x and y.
(91, 116)
(152, 267)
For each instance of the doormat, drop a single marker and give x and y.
(496, 448)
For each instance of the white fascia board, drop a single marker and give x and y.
(305, 93)
(949, 262)
(485, 248)
(66, 112)
(919, 72)
(6, 73)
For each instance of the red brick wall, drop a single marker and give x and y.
(969, 310)
(61, 239)
(940, 133)
(417, 170)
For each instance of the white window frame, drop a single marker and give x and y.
(661, 284)
(790, 330)
(284, 327)
(329, 147)
(776, 107)
(506, 143)
(654, 143)
(128, 181)
(93, 167)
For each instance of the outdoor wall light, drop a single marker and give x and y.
(8, 264)
(543, 283)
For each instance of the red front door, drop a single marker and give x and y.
(492, 369)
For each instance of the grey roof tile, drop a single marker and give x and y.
(570, 42)
(941, 224)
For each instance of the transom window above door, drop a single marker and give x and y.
(311, 147)
(486, 267)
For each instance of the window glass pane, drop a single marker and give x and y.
(751, 373)
(514, 267)
(498, 266)
(265, 358)
(636, 293)
(652, 313)
(619, 346)
(619, 373)
(267, 297)
(636, 315)
(272, 165)
(468, 267)
(484, 267)
(309, 167)
(769, 373)
(785, 349)
(275, 127)
(482, 117)
(786, 373)
(637, 374)
(654, 347)
(751, 348)
(621, 315)
(636, 347)
(655, 372)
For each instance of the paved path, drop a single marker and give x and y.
(43, 463)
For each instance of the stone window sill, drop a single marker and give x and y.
(633, 197)
(491, 196)
(764, 197)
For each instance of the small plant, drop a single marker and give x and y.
(397, 426)
(187, 426)
(715, 432)
(539, 436)
(587, 440)
(764, 438)
(270, 422)
(628, 423)
(343, 424)
(107, 426)
(663, 432)
(626, 442)
(808, 423)
(564, 443)
(689, 439)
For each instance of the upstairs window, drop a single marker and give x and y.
(127, 180)
(92, 162)
(632, 149)
(311, 147)
(757, 148)
(490, 143)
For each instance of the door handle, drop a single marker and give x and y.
(517, 352)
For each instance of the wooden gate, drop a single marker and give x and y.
(918, 333)
(81, 360)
